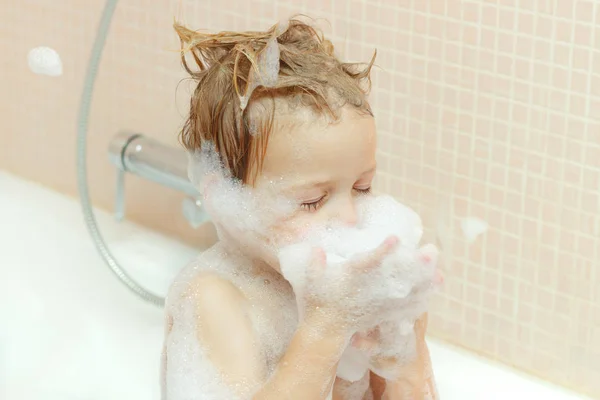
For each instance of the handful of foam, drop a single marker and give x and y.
(391, 297)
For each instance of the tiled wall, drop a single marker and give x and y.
(486, 109)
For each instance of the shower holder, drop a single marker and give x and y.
(135, 153)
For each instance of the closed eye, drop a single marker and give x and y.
(313, 205)
(316, 204)
(363, 191)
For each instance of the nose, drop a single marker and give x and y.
(346, 212)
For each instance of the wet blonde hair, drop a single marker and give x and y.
(309, 75)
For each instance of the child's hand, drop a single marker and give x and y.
(399, 354)
(389, 343)
(370, 343)
(336, 302)
(414, 376)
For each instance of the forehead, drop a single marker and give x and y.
(320, 147)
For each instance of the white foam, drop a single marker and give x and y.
(282, 27)
(44, 61)
(473, 228)
(353, 365)
(356, 390)
(229, 202)
(188, 373)
(268, 63)
(266, 73)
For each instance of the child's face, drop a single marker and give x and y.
(322, 168)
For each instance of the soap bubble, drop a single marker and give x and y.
(266, 72)
(44, 61)
(473, 228)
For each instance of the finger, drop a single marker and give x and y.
(428, 255)
(374, 258)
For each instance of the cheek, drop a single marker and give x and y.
(294, 229)
(284, 234)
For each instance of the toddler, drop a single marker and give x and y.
(282, 146)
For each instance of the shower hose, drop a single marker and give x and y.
(82, 181)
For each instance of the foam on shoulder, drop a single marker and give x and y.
(189, 373)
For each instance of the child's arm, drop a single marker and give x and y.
(416, 380)
(306, 371)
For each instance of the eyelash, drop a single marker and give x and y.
(314, 206)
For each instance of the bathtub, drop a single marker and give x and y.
(70, 330)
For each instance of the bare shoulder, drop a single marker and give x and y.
(218, 304)
(225, 329)
(208, 288)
